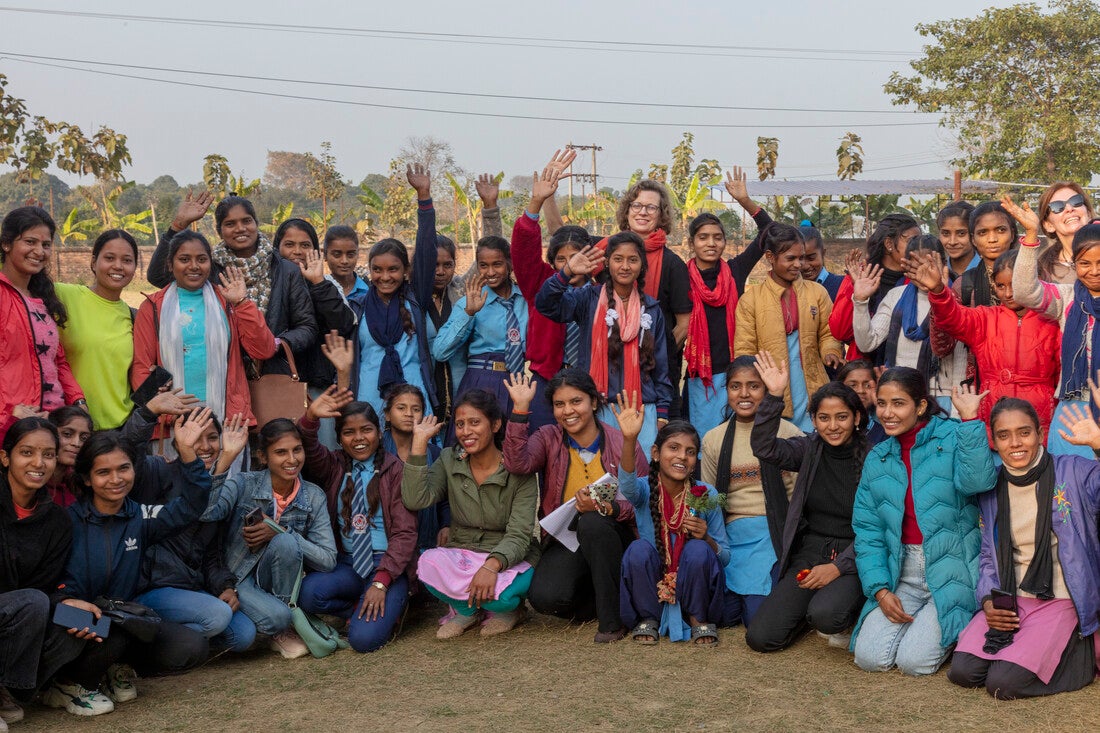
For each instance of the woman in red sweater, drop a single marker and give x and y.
(1017, 350)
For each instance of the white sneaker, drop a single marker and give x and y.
(837, 641)
(76, 700)
(10, 711)
(120, 683)
(289, 644)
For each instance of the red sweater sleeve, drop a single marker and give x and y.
(531, 270)
(954, 322)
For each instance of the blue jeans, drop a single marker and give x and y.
(266, 591)
(340, 591)
(204, 613)
(914, 647)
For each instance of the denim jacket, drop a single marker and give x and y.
(306, 519)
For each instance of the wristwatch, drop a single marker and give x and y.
(379, 585)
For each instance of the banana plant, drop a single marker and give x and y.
(281, 213)
(472, 204)
(76, 229)
(696, 200)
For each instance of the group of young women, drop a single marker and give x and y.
(904, 459)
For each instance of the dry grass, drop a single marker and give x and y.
(549, 676)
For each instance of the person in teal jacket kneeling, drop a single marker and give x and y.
(916, 524)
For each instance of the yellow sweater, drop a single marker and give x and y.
(760, 328)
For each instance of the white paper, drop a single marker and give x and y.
(557, 522)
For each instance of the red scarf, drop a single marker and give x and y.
(672, 520)
(654, 256)
(630, 331)
(697, 349)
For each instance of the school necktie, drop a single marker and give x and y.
(572, 353)
(362, 555)
(513, 340)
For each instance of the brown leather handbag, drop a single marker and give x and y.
(278, 395)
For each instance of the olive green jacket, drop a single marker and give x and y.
(497, 517)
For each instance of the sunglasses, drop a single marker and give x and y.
(1077, 202)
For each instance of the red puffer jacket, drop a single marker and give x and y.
(247, 330)
(20, 371)
(1017, 356)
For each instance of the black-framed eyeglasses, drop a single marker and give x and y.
(1077, 201)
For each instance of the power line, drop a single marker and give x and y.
(685, 49)
(464, 113)
(488, 95)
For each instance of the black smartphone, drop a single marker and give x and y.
(70, 617)
(1003, 601)
(254, 517)
(151, 386)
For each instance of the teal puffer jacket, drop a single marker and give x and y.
(952, 464)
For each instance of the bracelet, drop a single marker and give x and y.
(486, 567)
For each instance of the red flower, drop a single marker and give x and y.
(802, 575)
(699, 491)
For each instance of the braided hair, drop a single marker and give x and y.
(374, 496)
(390, 246)
(674, 427)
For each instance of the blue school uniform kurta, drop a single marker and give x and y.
(485, 332)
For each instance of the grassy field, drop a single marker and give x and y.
(547, 675)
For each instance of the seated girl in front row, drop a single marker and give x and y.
(377, 534)
(1039, 546)
(673, 578)
(486, 564)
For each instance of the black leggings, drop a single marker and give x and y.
(789, 610)
(583, 585)
(1008, 681)
(175, 648)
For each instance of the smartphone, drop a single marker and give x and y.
(70, 617)
(151, 386)
(254, 517)
(1003, 601)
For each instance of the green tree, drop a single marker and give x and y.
(1018, 86)
(75, 228)
(325, 182)
(696, 200)
(399, 202)
(102, 156)
(849, 156)
(215, 174)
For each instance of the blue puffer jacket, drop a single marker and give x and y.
(951, 464)
(1074, 510)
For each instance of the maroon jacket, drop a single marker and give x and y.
(546, 453)
(329, 470)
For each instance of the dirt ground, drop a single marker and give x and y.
(547, 675)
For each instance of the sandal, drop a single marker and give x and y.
(456, 625)
(646, 633)
(705, 635)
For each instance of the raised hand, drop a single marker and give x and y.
(585, 262)
(966, 400)
(630, 413)
(329, 403)
(427, 428)
(924, 269)
(865, 281)
(852, 262)
(1083, 430)
(21, 411)
(339, 351)
(475, 295)
(737, 184)
(420, 178)
(521, 388)
(234, 441)
(775, 376)
(561, 162)
(232, 285)
(544, 187)
(189, 430)
(488, 190)
(191, 209)
(313, 269)
(171, 402)
(1027, 218)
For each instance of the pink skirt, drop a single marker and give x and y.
(450, 569)
(1045, 630)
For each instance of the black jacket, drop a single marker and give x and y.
(289, 310)
(802, 454)
(333, 314)
(34, 550)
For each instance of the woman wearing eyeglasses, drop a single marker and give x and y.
(1064, 208)
(1074, 306)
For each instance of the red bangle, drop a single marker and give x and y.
(520, 412)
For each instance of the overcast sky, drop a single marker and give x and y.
(852, 48)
